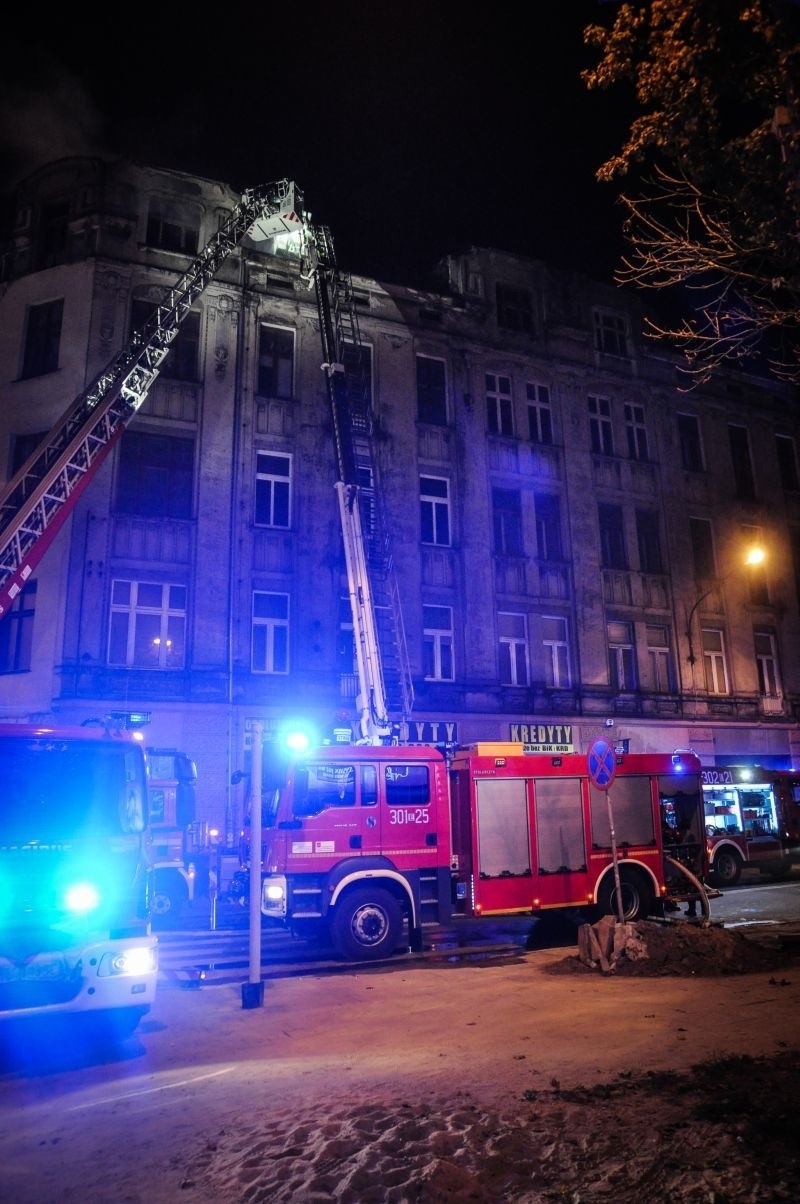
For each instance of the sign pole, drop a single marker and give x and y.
(601, 765)
(253, 989)
(615, 858)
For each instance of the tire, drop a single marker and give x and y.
(367, 924)
(727, 868)
(169, 895)
(637, 896)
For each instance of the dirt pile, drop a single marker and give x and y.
(653, 949)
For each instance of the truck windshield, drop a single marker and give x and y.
(56, 789)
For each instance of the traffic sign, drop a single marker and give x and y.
(601, 762)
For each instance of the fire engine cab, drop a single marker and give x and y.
(752, 818)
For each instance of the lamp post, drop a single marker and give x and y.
(754, 557)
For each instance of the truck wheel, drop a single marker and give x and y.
(637, 896)
(727, 868)
(367, 924)
(169, 895)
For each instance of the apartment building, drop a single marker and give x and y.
(570, 524)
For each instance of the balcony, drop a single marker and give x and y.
(155, 540)
(771, 704)
(617, 587)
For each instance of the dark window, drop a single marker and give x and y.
(637, 432)
(407, 785)
(431, 391)
(514, 308)
(16, 631)
(507, 521)
(649, 539)
(540, 418)
(24, 446)
(742, 464)
(435, 510)
(42, 338)
(609, 334)
(181, 362)
(691, 447)
(155, 475)
(548, 527)
(705, 567)
(601, 432)
(323, 786)
(500, 415)
(787, 462)
(275, 362)
(51, 246)
(612, 537)
(622, 655)
(273, 489)
(171, 228)
(357, 360)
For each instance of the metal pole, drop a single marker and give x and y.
(253, 989)
(615, 859)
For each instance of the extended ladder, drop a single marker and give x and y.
(38, 499)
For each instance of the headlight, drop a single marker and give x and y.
(139, 959)
(273, 891)
(81, 897)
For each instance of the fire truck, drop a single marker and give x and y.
(369, 844)
(182, 846)
(752, 818)
(74, 877)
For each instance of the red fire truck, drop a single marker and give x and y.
(369, 844)
(752, 820)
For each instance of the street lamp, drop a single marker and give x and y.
(753, 557)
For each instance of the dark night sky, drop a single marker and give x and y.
(414, 128)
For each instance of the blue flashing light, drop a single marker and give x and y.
(81, 897)
(297, 741)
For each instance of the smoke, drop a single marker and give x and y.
(46, 113)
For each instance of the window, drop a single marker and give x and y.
(636, 432)
(434, 496)
(275, 362)
(555, 642)
(742, 464)
(548, 527)
(507, 522)
(182, 360)
(23, 448)
(407, 785)
(513, 650)
(273, 489)
(270, 650)
(691, 446)
(714, 665)
(498, 405)
(648, 537)
(787, 463)
(171, 228)
(148, 625)
(357, 360)
(659, 659)
(437, 643)
(155, 475)
(323, 786)
(53, 234)
(540, 417)
(705, 565)
(622, 658)
(610, 336)
(612, 537)
(601, 432)
(514, 308)
(756, 575)
(431, 391)
(769, 682)
(16, 631)
(42, 339)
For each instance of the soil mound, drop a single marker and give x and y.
(687, 949)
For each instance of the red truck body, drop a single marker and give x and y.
(364, 841)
